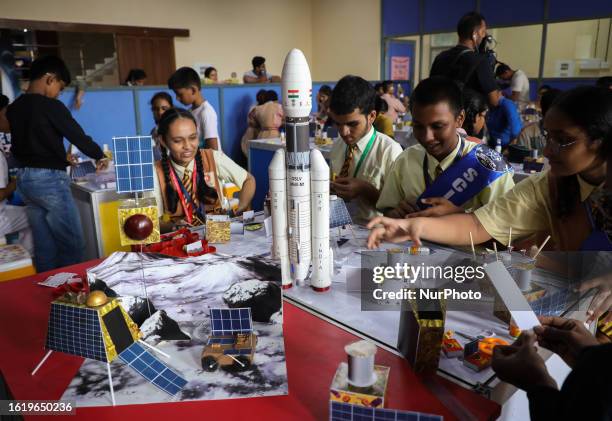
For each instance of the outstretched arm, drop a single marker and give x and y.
(452, 230)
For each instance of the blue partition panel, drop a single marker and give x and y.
(260, 161)
(443, 15)
(145, 115)
(499, 13)
(565, 84)
(575, 10)
(104, 113)
(237, 101)
(400, 17)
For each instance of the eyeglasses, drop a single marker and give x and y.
(555, 146)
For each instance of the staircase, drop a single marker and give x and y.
(102, 74)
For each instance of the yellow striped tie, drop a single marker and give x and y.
(188, 184)
(350, 152)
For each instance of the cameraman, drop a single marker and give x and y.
(464, 64)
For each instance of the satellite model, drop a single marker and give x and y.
(232, 341)
(100, 329)
(299, 187)
(138, 217)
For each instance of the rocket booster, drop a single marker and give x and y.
(306, 195)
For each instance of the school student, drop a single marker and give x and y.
(136, 77)
(395, 106)
(259, 74)
(555, 202)
(39, 122)
(446, 169)
(475, 108)
(186, 84)
(268, 117)
(160, 103)
(363, 160)
(533, 135)
(188, 178)
(585, 393)
(383, 123)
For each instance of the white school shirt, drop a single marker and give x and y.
(206, 122)
(520, 83)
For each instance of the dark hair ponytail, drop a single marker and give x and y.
(473, 104)
(203, 190)
(171, 194)
(589, 108)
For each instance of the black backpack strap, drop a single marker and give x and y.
(460, 75)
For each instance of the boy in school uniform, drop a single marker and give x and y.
(39, 122)
(362, 161)
(187, 86)
(560, 202)
(445, 169)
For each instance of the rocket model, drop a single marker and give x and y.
(299, 187)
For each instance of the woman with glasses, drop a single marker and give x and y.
(556, 202)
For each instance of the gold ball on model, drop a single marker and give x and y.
(96, 299)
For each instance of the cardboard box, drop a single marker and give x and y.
(371, 397)
(421, 333)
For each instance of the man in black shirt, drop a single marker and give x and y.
(464, 64)
(39, 122)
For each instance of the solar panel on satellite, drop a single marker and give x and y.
(82, 169)
(471, 348)
(552, 304)
(340, 411)
(133, 163)
(230, 321)
(338, 213)
(244, 351)
(222, 341)
(152, 369)
(75, 330)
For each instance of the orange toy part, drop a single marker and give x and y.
(486, 345)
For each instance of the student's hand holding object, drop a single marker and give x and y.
(440, 206)
(348, 188)
(102, 164)
(565, 337)
(403, 209)
(72, 159)
(602, 301)
(394, 230)
(520, 365)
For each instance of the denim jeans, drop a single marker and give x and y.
(53, 217)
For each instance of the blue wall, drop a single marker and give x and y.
(105, 114)
(402, 17)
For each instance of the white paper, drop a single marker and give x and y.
(268, 226)
(59, 279)
(237, 228)
(194, 247)
(248, 216)
(512, 296)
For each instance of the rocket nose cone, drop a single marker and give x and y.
(295, 62)
(317, 160)
(278, 160)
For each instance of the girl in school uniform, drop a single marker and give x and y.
(188, 185)
(560, 202)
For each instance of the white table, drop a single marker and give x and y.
(344, 309)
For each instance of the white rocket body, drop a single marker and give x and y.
(303, 229)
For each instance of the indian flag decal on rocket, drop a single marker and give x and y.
(293, 93)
